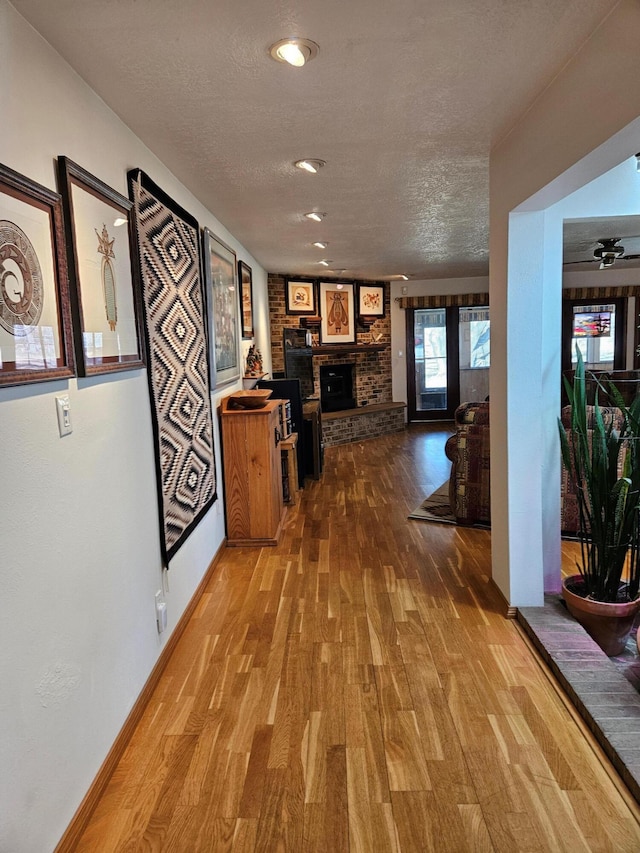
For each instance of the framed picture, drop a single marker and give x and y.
(105, 293)
(223, 309)
(337, 310)
(36, 342)
(300, 297)
(371, 300)
(245, 279)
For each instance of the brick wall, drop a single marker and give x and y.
(361, 426)
(373, 369)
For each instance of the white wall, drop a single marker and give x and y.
(583, 125)
(79, 533)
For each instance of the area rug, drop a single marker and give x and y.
(175, 325)
(437, 508)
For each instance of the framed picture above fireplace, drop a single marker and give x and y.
(300, 296)
(371, 300)
(337, 309)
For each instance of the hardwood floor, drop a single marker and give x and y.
(356, 688)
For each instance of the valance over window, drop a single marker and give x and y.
(469, 299)
(462, 299)
(599, 293)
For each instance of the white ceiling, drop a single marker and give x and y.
(404, 102)
(581, 237)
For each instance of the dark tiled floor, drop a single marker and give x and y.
(604, 690)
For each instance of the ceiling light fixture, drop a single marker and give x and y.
(325, 263)
(310, 165)
(320, 245)
(119, 221)
(317, 217)
(294, 51)
(400, 276)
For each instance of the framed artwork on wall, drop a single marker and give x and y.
(337, 309)
(223, 310)
(104, 287)
(371, 300)
(300, 297)
(36, 341)
(245, 279)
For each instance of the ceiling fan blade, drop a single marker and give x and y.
(629, 258)
(586, 261)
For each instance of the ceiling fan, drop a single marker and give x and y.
(607, 253)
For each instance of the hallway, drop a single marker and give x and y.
(357, 688)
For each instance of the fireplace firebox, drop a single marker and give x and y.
(336, 387)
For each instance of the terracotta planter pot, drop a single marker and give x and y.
(608, 623)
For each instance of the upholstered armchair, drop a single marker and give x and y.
(569, 502)
(469, 452)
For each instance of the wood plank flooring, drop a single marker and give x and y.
(356, 688)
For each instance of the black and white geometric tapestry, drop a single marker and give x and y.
(173, 298)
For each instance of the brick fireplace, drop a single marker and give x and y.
(336, 387)
(374, 412)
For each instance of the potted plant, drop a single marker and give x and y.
(601, 451)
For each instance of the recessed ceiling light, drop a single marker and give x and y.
(119, 221)
(310, 165)
(401, 276)
(294, 51)
(317, 217)
(325, 263)
(320, 245)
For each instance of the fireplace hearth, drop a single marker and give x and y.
(336, 387)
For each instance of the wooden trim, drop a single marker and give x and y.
(510, 612)
(79, 821)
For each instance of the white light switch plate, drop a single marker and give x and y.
(63, 409)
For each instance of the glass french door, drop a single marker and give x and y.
(597, 330)
(447, 360)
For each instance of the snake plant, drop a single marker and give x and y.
(602, 456)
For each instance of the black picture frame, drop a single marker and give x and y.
(103, 277)
(223, 309)
(338, 312)
(245, 286)
(36, 338)
(370, 300)
(301, 296)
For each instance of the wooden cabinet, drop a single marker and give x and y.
(252, 474)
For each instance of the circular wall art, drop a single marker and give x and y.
(21, 291)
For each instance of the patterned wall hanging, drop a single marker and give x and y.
(168, 239)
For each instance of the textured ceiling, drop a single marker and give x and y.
(581, 237)
(403, 101)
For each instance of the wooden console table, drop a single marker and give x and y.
(252, 474)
